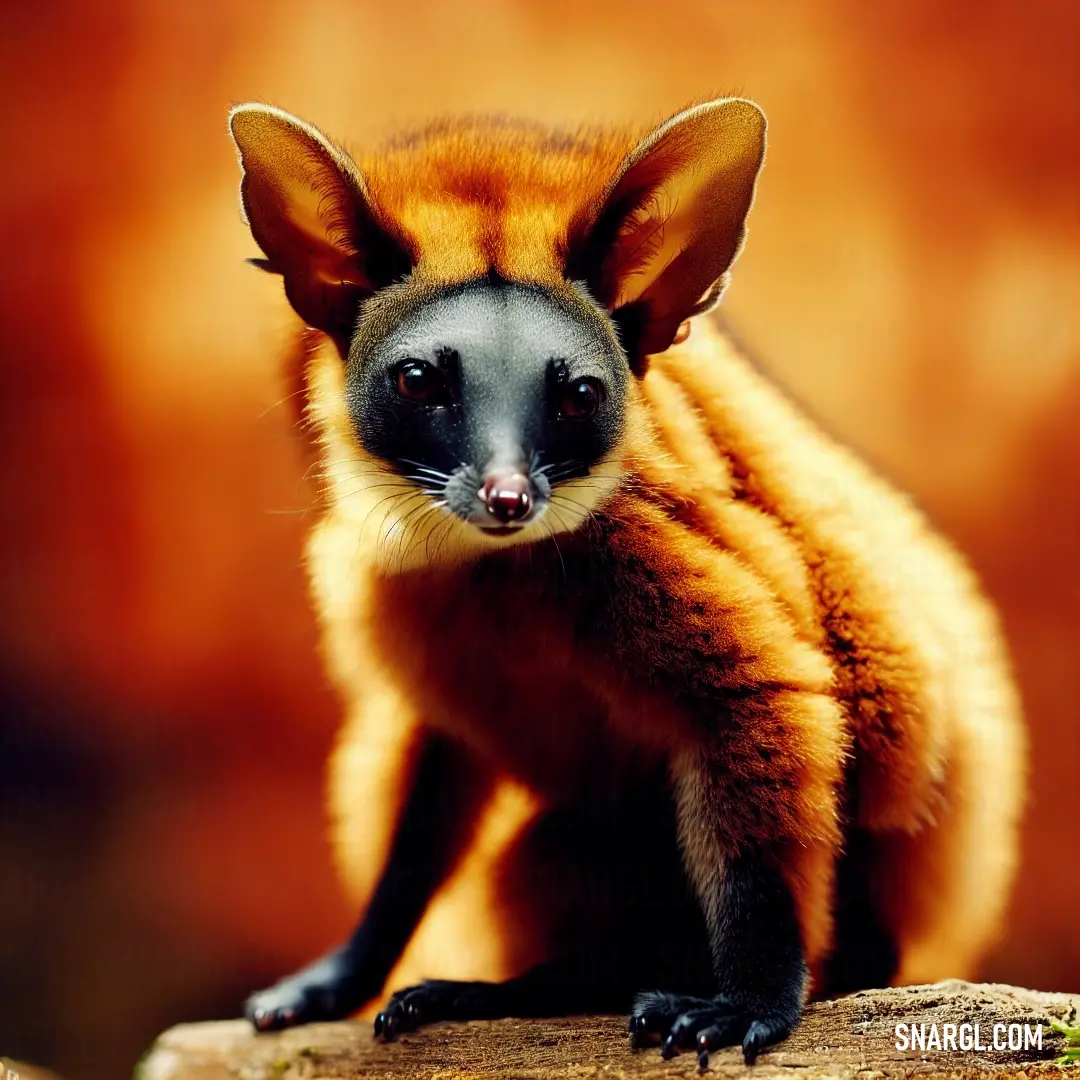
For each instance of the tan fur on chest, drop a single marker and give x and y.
(490, 658)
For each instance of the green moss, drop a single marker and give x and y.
(140, 1066)
(1072, 1043)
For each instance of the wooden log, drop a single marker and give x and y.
(850, 1037)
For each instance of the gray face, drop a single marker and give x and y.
(490, 395)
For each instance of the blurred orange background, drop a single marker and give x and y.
(912, 274)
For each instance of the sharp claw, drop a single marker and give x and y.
(705, 1042)
(390, 1026)
(640, 1036)
(380, 1021)
(754, 1041)
(669, 1049)
(706, 1036)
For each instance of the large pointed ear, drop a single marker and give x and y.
(671, 222)
(309, 211)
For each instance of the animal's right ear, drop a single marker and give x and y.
(657, 247)
(309, 211)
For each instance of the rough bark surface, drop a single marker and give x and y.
(850, 1037)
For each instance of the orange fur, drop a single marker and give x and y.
(477, 196)
(814, 604)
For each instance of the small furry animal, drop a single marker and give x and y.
(765, 709)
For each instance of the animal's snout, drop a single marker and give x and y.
(508, 495)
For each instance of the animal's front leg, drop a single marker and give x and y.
(758, 834)
(439, 813)
(704, 656)
(760, 969)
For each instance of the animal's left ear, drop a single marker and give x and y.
(671, 222)
(311, 213)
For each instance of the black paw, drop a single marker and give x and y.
(678, 1022)
(327, 990)
(431, 1001)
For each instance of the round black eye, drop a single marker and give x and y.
(417, 380)
(581, 398)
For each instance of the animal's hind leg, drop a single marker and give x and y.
(581, 982)
(942, 890)
(865, 954)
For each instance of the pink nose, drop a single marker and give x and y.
(507, 494)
